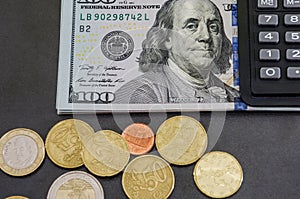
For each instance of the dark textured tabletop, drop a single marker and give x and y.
(267, 144)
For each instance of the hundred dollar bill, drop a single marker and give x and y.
(137, 55)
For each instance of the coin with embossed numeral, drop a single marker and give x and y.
(218, 174)
(21, 151)
(16, 197)
(76, 184)
(64, 142)
(148, 176)
(181, 140)
(106, 153)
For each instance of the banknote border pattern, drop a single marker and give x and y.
(71, 93)
(72, 96)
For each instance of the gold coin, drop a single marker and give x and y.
(218, 174)
(106, 153)
(16, 197)
(181, 140)
(63, 142)
(21, 152)
(148, 176)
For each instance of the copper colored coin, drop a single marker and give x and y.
(139, 137)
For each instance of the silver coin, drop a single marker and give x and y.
(76, 184)
(20, 152)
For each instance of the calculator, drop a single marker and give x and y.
(269, 52)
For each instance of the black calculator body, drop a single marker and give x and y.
(269, 52)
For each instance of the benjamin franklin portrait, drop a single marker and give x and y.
(182, 53)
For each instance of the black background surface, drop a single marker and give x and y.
(267, 144)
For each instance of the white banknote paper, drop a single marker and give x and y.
(154, 55)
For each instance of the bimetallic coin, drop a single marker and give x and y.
(181, 140)
(76, 184)
(22, 152)
(218, 174)
(106, 153)
(148, 176)
(16, 197)
(139, 137)
(64, 142)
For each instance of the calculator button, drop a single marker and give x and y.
(292, 19)
(268, 37)
(270, 73)
(293, 54)
(292, 36)
(267, 3)
(293, 72)
(269, 54)
(291, 3)
(268, 20)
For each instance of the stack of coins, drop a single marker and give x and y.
(181, 140)
(71, 143)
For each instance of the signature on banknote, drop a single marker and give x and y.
(91, 68)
